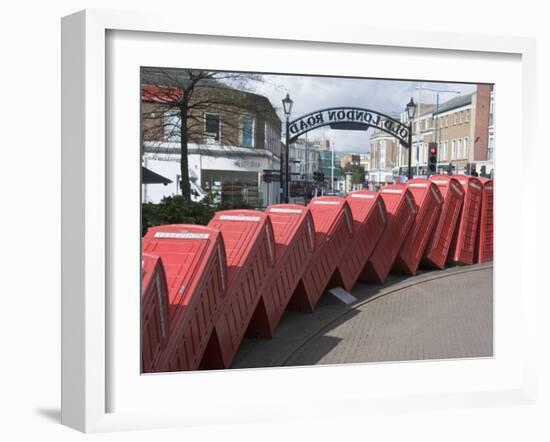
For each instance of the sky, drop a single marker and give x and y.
(313, 93)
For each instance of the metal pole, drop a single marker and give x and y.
(379, 157)
(332, 168)
(410, 150)
(418, 128)
(437, 132)
(287, 166)
(281, 181)
(306, 175)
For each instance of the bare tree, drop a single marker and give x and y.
(174, 102)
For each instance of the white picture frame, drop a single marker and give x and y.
(87, 214)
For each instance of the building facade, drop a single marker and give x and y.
(352, 159)
(462, 126)
(329, 165)
(232, 139)
(385, 155)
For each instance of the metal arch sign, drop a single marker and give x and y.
(349, 115)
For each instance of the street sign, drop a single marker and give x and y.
(271, 175)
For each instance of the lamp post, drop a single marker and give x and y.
(437, 128)
(411, 109)
(287, 107)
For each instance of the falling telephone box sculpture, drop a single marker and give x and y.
(294, 245)
(464, 240)
(401, 211)
(485, 238)
(369, 221)
(441, 237)
(428, 202)
(332, 221)
(248, 240)
(194, 262)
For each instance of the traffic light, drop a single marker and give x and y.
(432, 158)
(318, 177)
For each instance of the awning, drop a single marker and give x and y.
(150, 177)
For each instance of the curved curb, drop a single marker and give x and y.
(421, 279)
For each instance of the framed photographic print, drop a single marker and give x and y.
(268, 223)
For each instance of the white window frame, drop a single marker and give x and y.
(167, 137)
(466, 147)
(253, 118)
(453, 150)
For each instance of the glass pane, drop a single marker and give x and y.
(247, 127)
(212, 125)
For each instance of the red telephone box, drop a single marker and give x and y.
(294, 244)
(484, 245)
(248, 239)
(428, 201)
(464, 240)
(194, 262)
(332, 221)
(401, 211)
(441, 237)
(369, 221)
(154, 312)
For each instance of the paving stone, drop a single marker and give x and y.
(434, 315)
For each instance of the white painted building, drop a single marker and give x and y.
(212, 167)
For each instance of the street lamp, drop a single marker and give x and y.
(287, 108)
(411, 109)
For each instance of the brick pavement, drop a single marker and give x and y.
(434, 315)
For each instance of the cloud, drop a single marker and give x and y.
(313, 93)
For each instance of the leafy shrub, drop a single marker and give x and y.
(175, 210)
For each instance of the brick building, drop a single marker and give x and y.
(233, 136)
(464, 126)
